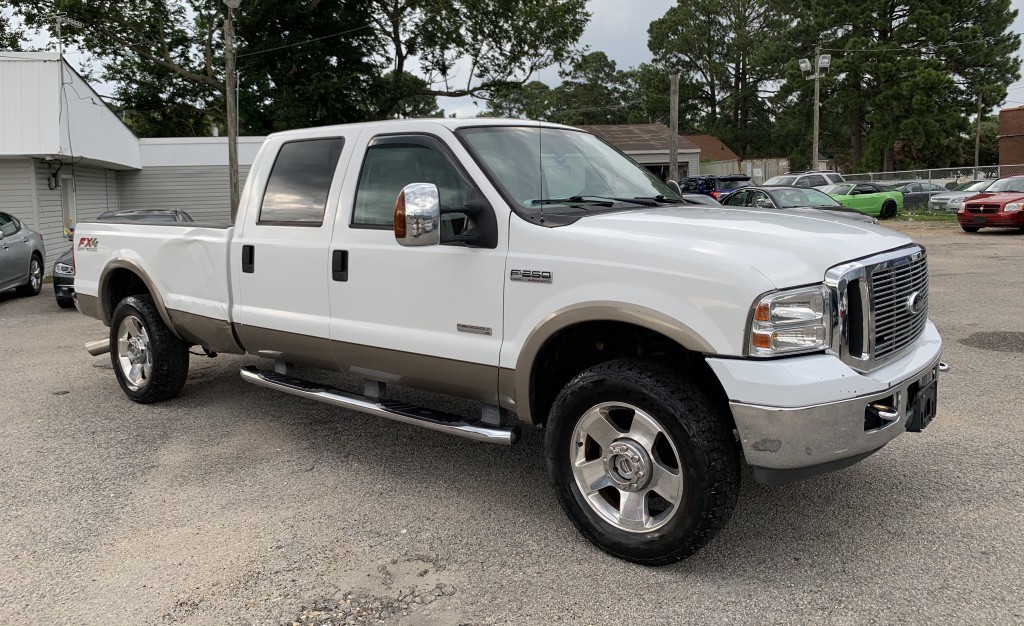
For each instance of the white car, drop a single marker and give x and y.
(804, 179)
(953, 201)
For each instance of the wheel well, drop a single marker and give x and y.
(578, 347)
(121, 284)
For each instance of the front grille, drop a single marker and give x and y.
(879, 306)
(982, 208)
(895, 325)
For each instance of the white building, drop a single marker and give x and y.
(65, 156)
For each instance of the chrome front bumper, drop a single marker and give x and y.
(785, 440)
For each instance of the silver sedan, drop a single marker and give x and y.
(21, 257)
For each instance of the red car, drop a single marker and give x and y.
(999, 207)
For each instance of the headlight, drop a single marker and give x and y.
(793, 320)
(1013, 207)
(63, 268)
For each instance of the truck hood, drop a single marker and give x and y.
(788, 248)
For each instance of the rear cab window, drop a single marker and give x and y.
(297, 189)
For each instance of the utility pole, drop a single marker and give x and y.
(230, 97)
(977, 140)
(673, 140)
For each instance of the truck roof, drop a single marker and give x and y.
(396, 125)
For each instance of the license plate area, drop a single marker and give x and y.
(978, 220)
(922, 404)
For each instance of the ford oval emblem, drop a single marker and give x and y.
(915, 303)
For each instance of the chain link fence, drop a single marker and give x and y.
(919, 186)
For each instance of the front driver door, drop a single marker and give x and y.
(426, 316)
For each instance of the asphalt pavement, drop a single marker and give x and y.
(234, 504)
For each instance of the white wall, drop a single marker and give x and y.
(202, 191)
(95, 192)
(88, 129)
(191, 151)
(29, 84)
(16, 194)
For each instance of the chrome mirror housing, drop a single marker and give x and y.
(418, 215)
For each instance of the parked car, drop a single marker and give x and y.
(64, 268)
(717, 187)
(699, 198)
(792, 198)
(804, 179)
(916, 193)
(21, 257)
(953, 201)
(1000, 206)
(867, 198)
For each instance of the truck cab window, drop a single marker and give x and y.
(388, 167)
(297, 190)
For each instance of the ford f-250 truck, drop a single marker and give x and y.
(535, 269)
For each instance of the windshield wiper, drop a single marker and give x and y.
(594, 200)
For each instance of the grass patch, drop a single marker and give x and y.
(925, 216)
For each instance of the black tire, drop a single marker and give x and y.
(970, 229)
(165, 357)
(693, 428)
(66, 303)
(888, 210)
(35, 278)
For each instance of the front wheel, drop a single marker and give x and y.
(35, 278)
(150, 362)
(643, 463)
(971, 229)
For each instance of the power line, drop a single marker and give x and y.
(302, 43)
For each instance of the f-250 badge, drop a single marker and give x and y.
(531, 276)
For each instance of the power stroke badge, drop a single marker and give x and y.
(530, 276)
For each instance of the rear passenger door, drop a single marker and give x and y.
(280, 260)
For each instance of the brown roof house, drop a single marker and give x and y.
(712, 148)
(647, 144)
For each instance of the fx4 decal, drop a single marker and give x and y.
(88, 244)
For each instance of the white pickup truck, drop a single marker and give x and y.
(535, 269)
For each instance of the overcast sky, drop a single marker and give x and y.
(619, 29)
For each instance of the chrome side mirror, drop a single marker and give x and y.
(418, 215)
(674, 186)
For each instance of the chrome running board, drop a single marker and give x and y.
(390, 409)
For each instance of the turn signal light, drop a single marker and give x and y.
(400, 215)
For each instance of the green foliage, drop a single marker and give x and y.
(10, 37)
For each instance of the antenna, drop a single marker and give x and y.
(540, 167)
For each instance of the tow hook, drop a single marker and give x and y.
(943, 367)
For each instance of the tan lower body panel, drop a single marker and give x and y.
(472, 381)
(90, 306)
(208, 332)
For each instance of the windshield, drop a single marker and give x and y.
(789, 198)
(976, 186)
(732, 184)
(1015, 183)
(780, 181)
(839, 190)
(544, 168)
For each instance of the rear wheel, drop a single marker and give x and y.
(35, 278)
(970, 229)
(888, 210)
(150, 362)
(642, 461)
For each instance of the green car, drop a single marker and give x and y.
(867, 198)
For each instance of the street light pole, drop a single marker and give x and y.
(230, 99)
(821, 63)
(817, 107)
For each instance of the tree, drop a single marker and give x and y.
(474, 47)
(10, 37)
(907, 72)
(729, 52)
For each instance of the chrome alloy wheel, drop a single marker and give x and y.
(627, 467)
(133, 352)
(35, 274)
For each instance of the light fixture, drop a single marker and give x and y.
(824, 61)
(805, 65)
(232, 4)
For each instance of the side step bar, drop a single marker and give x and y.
(393, 410)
